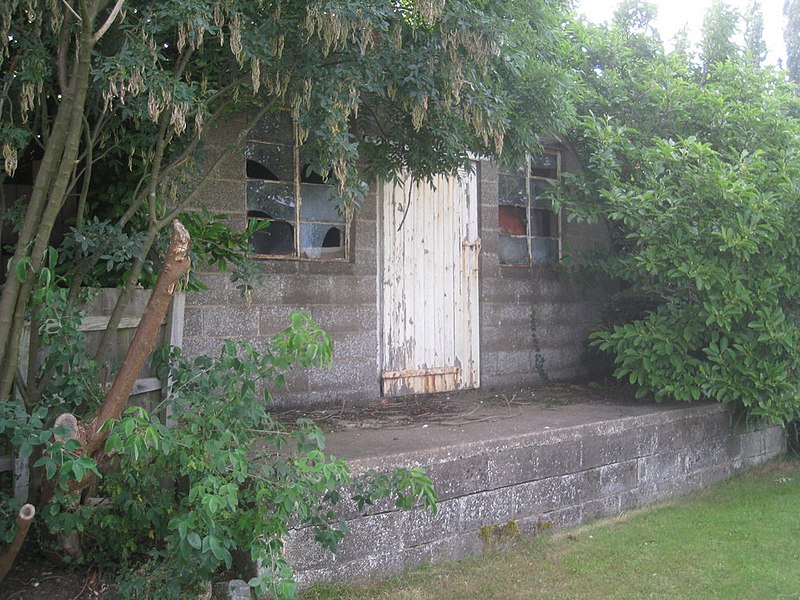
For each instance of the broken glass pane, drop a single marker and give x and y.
(539, 187)
(513, 250)
(321, 241)
(512, 190)
(273, 199)
(544, 161)
(275, 128)
(544, 250)
(512, 219)
(544, 223)
(545, 165)
(319, 203)
(275, 162)
(276, 240)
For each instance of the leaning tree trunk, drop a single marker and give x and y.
(176, 265)
(89, 434)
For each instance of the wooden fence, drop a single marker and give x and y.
(147, 390)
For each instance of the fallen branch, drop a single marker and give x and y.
(24, 519)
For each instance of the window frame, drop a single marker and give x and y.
(531, 209)
(297, 184)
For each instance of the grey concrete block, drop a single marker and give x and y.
(455, 546)
(544, 496)
(775, 441)
(231, 322)
(342, 375)
(193, 321)
(424, 527)
(619, 477)
(608, 506)
(371, 535)
(341, 268)
(509, 337)
(354, 346)
(303, 551)
(606, 448)
(461, 476)
(492, 507)
(348, 319)
(228, 196)
(194, 346)
(316, 289)
(356, 290)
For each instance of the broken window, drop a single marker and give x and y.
(307, 219)
(530, 230)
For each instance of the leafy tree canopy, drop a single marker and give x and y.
(695, 168)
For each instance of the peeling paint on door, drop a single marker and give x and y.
(429, 285)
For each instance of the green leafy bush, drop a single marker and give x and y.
(695, 169)
(223, 479)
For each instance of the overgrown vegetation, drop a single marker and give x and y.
(693, 163)
(692, 159)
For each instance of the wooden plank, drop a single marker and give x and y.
(101, 323)
(420, 372)
(146, 385)
(175, 322)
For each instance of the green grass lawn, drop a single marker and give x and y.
(739, 539)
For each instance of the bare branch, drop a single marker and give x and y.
(109, 21)
(72, 10)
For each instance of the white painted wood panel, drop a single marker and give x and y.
(429, 285)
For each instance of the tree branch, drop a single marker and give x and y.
(109, 21)
(24, 519)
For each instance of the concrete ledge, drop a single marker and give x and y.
(544, 468)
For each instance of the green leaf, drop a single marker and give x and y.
(194, 540)
(21, 269)
(216, 548)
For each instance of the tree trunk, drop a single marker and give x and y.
(24, 519)
(176, 266)
(47, 198)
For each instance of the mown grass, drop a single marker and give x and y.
(738, 540)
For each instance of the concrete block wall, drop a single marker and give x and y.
(343, 298)
(564, 310)
(340, 296)
(555, 478)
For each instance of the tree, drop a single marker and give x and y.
(791, 37)
(720, 25)
(694, 169)
(755, 46)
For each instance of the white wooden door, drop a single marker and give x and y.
(429, 285)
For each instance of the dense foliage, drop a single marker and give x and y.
(695, 166)
(218, 478)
